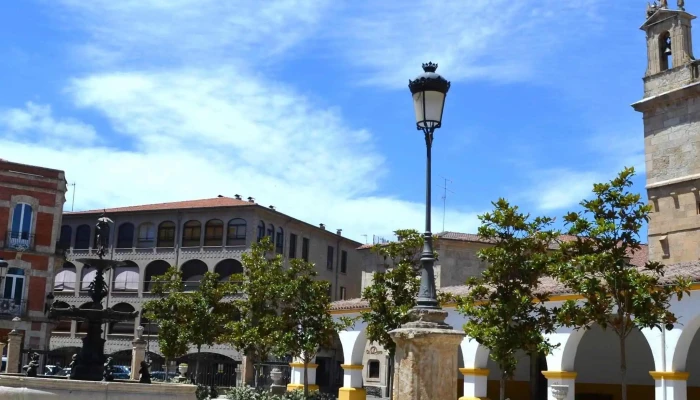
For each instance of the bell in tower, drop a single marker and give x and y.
(669, 38)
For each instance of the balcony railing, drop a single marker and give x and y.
(19, 241)
(10, 308)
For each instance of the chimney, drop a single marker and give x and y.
(272, 207)
(237, 196)
(251, 200)
(339, 232)
(219, 196)
(322, 226)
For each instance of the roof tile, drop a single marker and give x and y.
(178, 205)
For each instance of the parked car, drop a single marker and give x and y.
(159, 376)
(122, 372)
(52, 370)
(64, 372)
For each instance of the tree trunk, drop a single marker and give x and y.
(196, 366)
(165, 378)
(534, 372)
(623, 367)
(306, 380)
(502, 396)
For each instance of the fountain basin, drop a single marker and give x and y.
(23, 388)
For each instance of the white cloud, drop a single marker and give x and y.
(502, 40)
(38, 120)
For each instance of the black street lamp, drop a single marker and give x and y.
(429, 91)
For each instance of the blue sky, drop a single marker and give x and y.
(304, 104)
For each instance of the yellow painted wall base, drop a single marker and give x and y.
(298, 386)
(346, 393)
(473, 398)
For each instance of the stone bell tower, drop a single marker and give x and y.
(671, 108)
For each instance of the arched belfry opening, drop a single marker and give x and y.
(665, 48)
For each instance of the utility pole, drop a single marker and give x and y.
(444, 200)
(73, 202)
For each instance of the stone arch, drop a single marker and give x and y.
(123, 328)
(65, 278)
(82, 237)
(64, 325)
(126, 278)
(353, 343)
(125, 236)
(685, 337)
(226, 268)
(153, 269)
(192, 234)
(214, 232)
(192, 273)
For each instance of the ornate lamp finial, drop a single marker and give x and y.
(430, 66)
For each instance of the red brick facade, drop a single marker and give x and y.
(31, 209)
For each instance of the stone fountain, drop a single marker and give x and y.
(88, 364)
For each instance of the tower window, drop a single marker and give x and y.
(373, 369)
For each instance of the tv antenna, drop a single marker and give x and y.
(444, 200)
(365, 235)
(72, 202)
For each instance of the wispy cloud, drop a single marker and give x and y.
(500, 40)
(36, 122)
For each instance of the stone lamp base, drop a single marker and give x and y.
(426, 357)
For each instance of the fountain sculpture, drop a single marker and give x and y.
(90, 363)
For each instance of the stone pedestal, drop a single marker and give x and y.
(425, 366)
(560, 378)
(352, 383)
(247, 371)
(297, 379)
(138, 354)
(14, 352)
(670, 385)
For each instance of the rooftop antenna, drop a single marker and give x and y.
(72, 202)
(444, 200)
(365, 235)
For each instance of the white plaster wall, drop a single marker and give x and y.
(522, 370)
(598, 358)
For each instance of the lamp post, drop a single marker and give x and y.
(429, 91)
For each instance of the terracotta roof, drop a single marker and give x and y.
(689, 269)
(178, 205)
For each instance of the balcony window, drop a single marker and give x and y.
(88, 275)
(261, 230)
(343, 262)
(292, 245)
(66, 236)
(271, 232)
(125, 236)
(279, 241)
(14, 285)
(147, 235)
(235, 236)
(82, 237)
(166, 234)
(214, 233)
(105, 240)
(329, 258)
(305, 244)
(126, 278)
(342, 293)
(191, 234)
(65, 278)
(20, 231)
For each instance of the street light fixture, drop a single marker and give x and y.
(429, 91)
(3, 267)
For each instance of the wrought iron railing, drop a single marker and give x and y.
(10, 308)
(19, 241)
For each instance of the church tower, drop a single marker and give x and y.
(671, 109)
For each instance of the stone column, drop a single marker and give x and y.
(673, 384)
(561, 378)
(247, 371)
(14, 351)
(426, 357)
(475, 382)
(297, 381)
(352, 383)
(138, 354)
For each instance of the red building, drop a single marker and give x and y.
(31, 208)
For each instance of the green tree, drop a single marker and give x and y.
(255, 323)
(308, 324)
(616, 295)
(205, 313)
(167, 312)
(393, 292)
(506, 312)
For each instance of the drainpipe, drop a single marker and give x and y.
(337, 264)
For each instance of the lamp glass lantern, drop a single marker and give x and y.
(429, 91)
